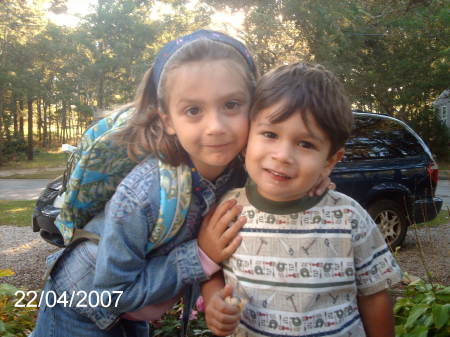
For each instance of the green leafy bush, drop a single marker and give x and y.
(14, 321)
(423, 311)
(12, 150)
(435, 133)
(170, 323)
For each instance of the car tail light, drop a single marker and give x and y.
(433, 173)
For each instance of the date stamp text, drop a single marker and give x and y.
(74, 299)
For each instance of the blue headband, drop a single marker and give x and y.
(171, 47)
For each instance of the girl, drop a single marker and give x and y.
(191, 111)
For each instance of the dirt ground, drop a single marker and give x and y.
(24, 252)
(435, 243)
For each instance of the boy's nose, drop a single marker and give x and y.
(283, 153)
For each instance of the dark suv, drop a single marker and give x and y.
(390, 171)
(387, 168)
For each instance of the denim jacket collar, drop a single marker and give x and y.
(208, 191)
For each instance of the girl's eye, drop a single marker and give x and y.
(193, 111)
(269, 134)
(232, 105)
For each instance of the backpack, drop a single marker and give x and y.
(100, 167)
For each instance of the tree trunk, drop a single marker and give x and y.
(15, 115)
(20, 115)
(58, 135)
(100, 92)
(1, 112)
(30, 128)
(39, 119)
(50, 122)
(71, 122)
(403, 113)
(64, 122)
(45, 125)
(78, 123)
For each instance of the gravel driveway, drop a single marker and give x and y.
(25, 252)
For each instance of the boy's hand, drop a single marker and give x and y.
(222, 318)
(321, 187)
(218, 236)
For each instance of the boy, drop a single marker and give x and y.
(307, 266)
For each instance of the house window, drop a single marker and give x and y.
(444, 113)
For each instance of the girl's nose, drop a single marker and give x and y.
(215, 123)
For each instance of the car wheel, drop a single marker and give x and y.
(391, 220)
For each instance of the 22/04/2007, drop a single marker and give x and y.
(75, 299)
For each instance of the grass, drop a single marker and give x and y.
(38, 175)
(442, 218)
(41, 160)
(444, 165)
(16, 212)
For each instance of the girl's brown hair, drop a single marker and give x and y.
(145, 131)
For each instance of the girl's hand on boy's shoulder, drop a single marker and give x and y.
(218, 236)
(221, 317)
(321, 187)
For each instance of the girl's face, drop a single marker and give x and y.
(208, 105)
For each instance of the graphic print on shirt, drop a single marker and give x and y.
(299, 273)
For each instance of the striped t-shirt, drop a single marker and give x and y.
(302, 264)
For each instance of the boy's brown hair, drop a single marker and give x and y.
(306, 88)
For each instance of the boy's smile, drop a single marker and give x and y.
(287, 158)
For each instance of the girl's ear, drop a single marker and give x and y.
(242, 157)
(244, 152)
(167, 121)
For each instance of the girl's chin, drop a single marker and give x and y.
(211, 170)
(220, 161)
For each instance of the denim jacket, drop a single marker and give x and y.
(119, 263)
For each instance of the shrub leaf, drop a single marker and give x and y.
(415, 313)
(419, 331)
(440, 315)
(6, 272)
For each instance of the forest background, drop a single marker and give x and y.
(393, 57)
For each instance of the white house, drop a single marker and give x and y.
(442, 107)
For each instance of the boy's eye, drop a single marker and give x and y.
(232, 105)
(269, 134)
(192, 111)
(306, 145)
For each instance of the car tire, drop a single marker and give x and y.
(391, 220)
(52, 238)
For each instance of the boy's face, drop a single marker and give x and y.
(287, 159)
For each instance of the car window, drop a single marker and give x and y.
(380, 138)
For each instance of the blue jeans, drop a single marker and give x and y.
(58, 321)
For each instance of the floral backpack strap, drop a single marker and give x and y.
(92, 184)
(99, 170)
(110, 122)
(175, 198)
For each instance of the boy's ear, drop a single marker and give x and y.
(167, 121)
(333, 160)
